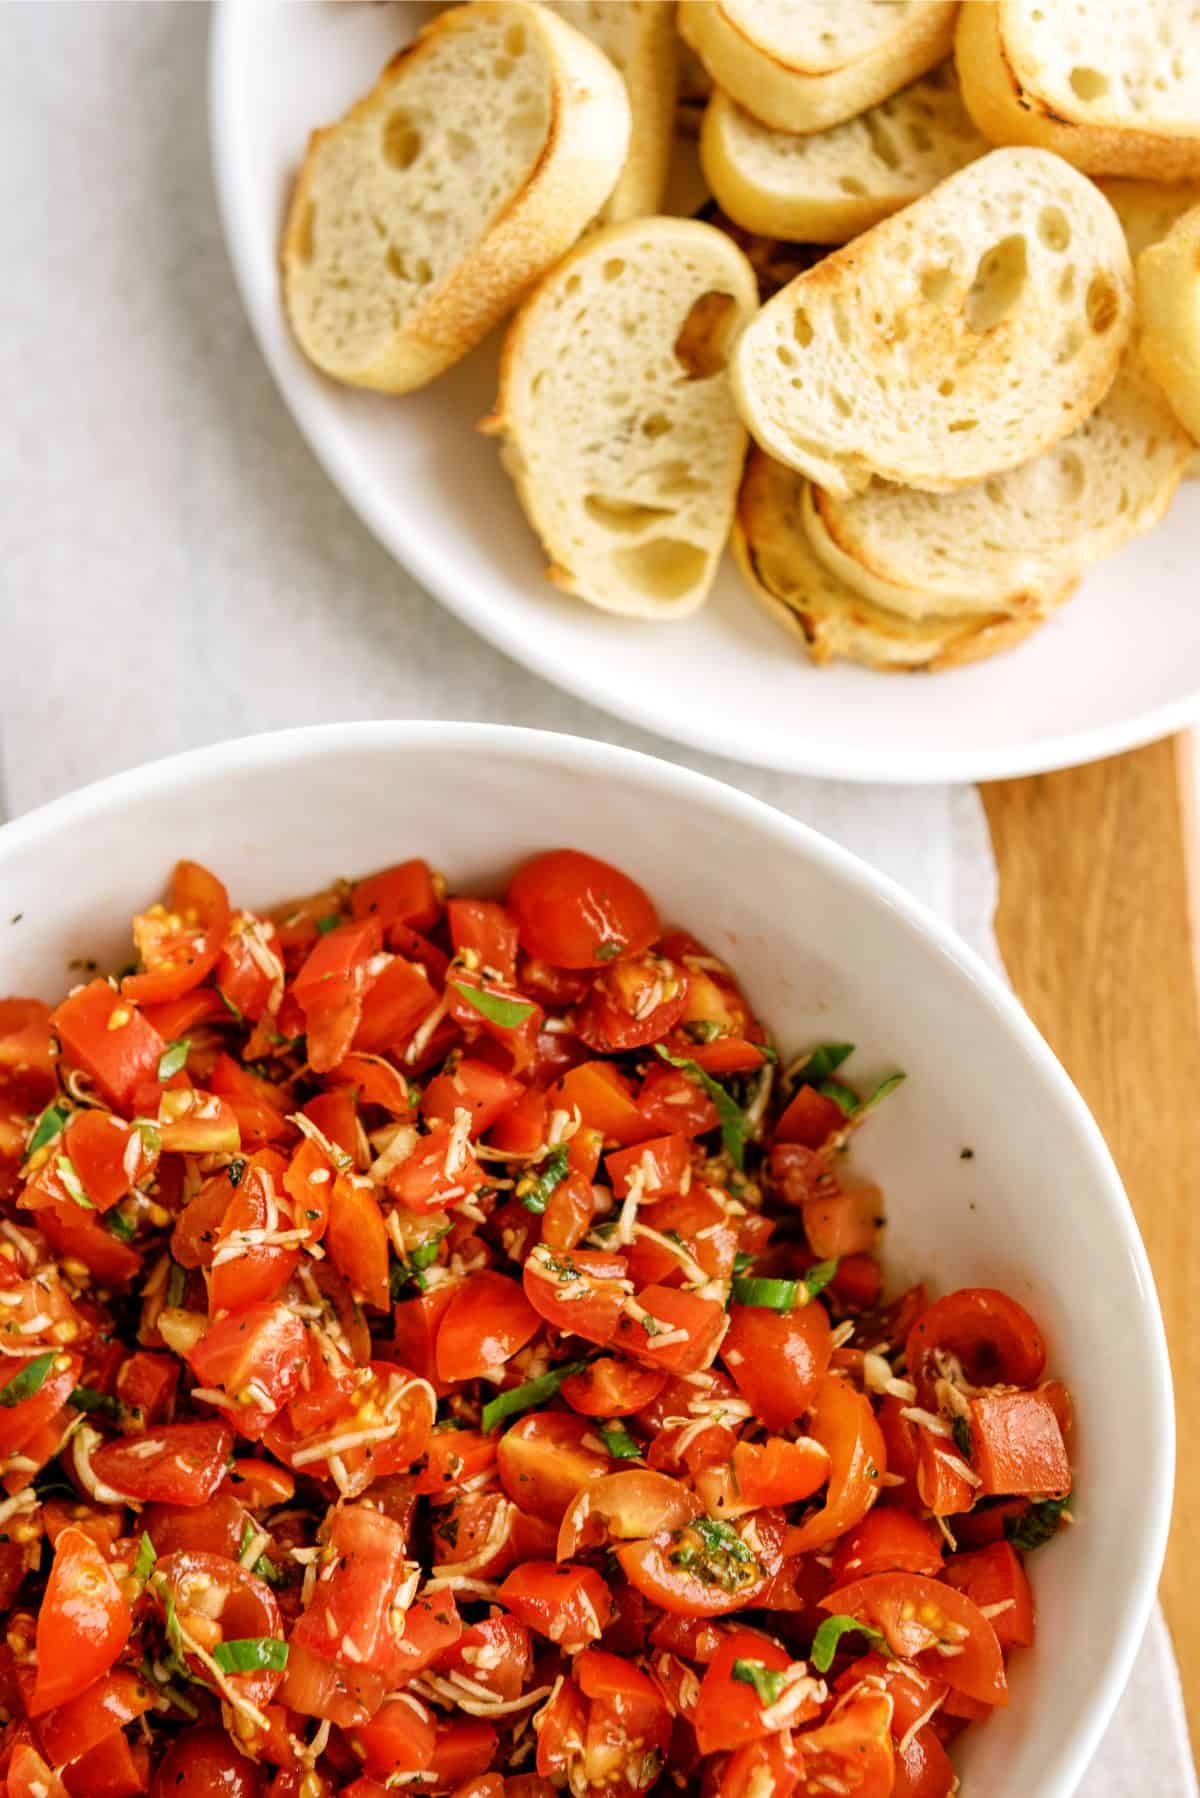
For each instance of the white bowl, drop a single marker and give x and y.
(826, 948)
(1118, 666)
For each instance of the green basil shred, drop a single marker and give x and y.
(768, 1682)
(825, 1642)
(507, 1013)
(174, 1057)
(249, 1653)
(553, 1172)
(31, 1379)
(735, 1125)
(52, 1123)
(523, 1398)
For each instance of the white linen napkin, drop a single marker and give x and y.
(177, 569)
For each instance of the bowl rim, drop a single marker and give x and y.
(565, 754)
(368, 498)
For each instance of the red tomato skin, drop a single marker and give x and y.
(487, 1321)
(114, 1768)
(203, 1763)
(994, 1576)
(843, 1422)
(728, 1713)
(635, 1002)
(196, 930)
(403, 894)
(994, 1337)
(612, 1387)
(107, 1705)
(486, 931)
(122, 1060)
(187, 1472)
(923, 1768)
(578, 912)
(562, 1603)
(1017, 1447)
(901, 1605)
(887, 1541)
(777, 1360)
(83, 1623)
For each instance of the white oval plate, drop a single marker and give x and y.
(1119, 665)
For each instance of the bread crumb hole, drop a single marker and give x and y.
(306, 240)
(936, 281)
(677, 477)
(946, 387)
(622, 514)
(802, 329)
(665, 567)
(502, 68)
(1054, 228)
(1088, 84)
(841, 404)
(963, 424)
(572, 284)
(656, 425)
(881, 143)
(702, 346)
(1071, 470)
(850, 184)
(514, 40)
(395, 264)
(1101, 304)
(401, 140)
(614, 268)
(784, 356)
(1066, 282)
(999, 282)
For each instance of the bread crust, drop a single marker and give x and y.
(1168, 285)
(830, 619)
(1003, 101)
(579, 162)
(784, 93)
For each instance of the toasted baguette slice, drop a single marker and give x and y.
(420, 219)
(618, 421)
(803, 65)
(639, 38)
(829, 186)
(960, 337)
(1011, 542)
(831, 619)
(1168, 286)
(1112, 85)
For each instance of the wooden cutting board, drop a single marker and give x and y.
(1097, 924)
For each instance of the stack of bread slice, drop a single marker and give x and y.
(913, 290)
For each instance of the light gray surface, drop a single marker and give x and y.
(176, 568)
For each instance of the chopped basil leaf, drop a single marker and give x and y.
(150, 1134)
(768, 1683)
(735, 1126)
(174, 1057)
(825, 1642)
(52, 1123)
(265, 1569)
(523, 1398)
(881, 1092)
(769, 1295)
(742, 1261)
(329, 922)
(817, 1277)
(86, 1398)
(143, 1567)
(619, 1443)
(31, 1379)
(553, 1173)
(824, 1061)
(174, 1636)
(607, 951)
(176, 1286)
(119, 1225)
(235, 1169)
(843, 1096)
(409, 1272)
(960, 1429)
(715, 1553)
(1039, 1524)
(250, 1653)
(72, 1184)
(508, 1013)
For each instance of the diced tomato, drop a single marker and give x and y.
(259, 1105)
(103, 1032)
(178, 943)
(624, 1507)
(637, 1001)
(707, 1570)
(520, 1129)
(604, 1101)
(658, 1165)
(854, 1742)
(30, 1777)
(578, 912)
(26, 1064)
(349, 1619)
(107, 1705)
(672, 1329)
(21, 1422)
(569, 1605)
(335, 1114)
(374, 1081)
(83, 1623)
(582, 1292)
(494, 1652)
(399, 1738)
(546, 1458)
(887, 1542)
(810, 1120)
(944, 1483)
(108, 1155)
(203, 1761)
(308, 1181)
(569, 1212)
(612, 1387)
(247, 1271)
(440, 1171)
(487, 1321)
(776, 1359)
(403, 894)
(1017, 1445)
(843, 1422)
(416, 1324)
(774, 1472)
(145, 1388)
(396, 1003)
(473, 1087)
(484, 936)
(452, 1457)
(464, 1749)
(923, 1768)
(357, 1241)
(329, 989)
(114, 1768)
(256, 1357)
(993, 1337)
(186, 1467)
(729, 1712)
(191, 1122)
(673, 1104)
(994, 1579)
(916, 1615)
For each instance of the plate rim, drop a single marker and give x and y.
(897, 765)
